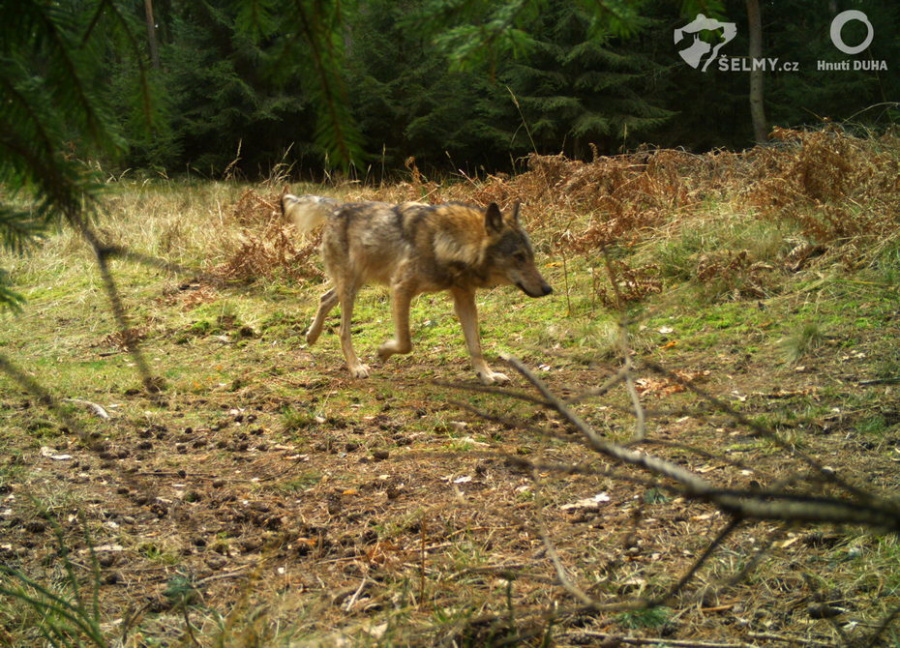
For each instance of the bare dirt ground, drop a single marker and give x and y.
(405, 518)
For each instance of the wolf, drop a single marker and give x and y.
(415, 248)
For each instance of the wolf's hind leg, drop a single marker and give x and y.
(326, 303)
(401, 298)
(346, 296)
(464, 304)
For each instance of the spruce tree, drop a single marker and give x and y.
(410, 102)
(577, 87)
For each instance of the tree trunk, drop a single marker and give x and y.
(757, 105)
(151, 34)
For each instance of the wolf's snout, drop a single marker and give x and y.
(542, 291)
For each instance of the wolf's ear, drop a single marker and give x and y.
(493, 219)
(515, 214)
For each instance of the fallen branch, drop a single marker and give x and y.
(751, 504)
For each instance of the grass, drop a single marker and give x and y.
(65, 612)
(651, 618)
(802, 342)
(264, 498)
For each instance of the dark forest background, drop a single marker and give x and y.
(468, 86)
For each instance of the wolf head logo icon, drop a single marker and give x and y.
(699, 51)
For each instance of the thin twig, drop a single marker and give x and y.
(755, 559)
(763, 431)
(885, 623)
(351, 601)
(730, 528)
(190, 628)
(561, 573)
(709, 456)
(640, 427)
(611, 382)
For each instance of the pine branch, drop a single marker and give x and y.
(336, 130)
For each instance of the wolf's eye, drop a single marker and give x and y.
(520, 257)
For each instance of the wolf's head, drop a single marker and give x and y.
(509, 255)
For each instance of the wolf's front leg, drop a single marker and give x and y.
(347, 295)
(464, 304)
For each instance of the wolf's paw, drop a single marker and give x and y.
(391, 347)
(490, 377)
(359, 371)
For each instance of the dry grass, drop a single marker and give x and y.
(831, 191)
(267, 246)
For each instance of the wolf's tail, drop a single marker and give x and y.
(307, 212)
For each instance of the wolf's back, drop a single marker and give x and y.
(307, 212)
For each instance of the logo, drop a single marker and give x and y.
(699, 50)
(711, 35)
(838, 24)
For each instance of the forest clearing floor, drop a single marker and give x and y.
(262, 497)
